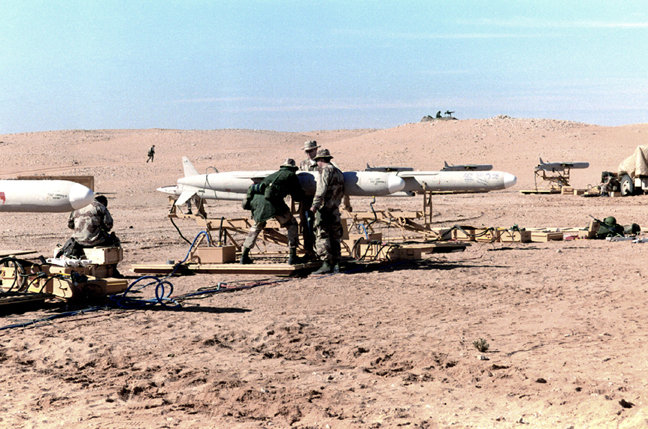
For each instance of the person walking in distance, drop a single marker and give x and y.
(151, 154)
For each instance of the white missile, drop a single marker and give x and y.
(43, 196)
(456, 181)
(234, 185)
(560, 166)
(464, 167)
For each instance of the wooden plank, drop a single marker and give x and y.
(442, 247)
(540, 191)
(17, 299)
(5, 253)
(282, 269)
(385, 215)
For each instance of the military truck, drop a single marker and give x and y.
(633, 173)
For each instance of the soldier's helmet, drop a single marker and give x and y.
(310, 145)
(290, 163)
(323, 154)
(610, 221)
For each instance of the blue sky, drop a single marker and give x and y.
(304, 65)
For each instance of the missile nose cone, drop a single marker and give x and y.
(80, 196)
(395, 184)
(509, 180)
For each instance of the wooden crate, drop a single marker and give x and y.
(468, 235)
(104, 255)
(111, 286)
(586, 233)
(214, 255)
(491, 235)
(57, 269)
(404, 254)
(106, 270)
(393, 253)
(355, 240)
(444, 233)
(91, 287)
(515, 236)
(544, 236)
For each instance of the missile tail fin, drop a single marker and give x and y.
(184, 197)
(189, 169)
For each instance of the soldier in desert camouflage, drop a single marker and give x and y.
(305, 215)
(328, 224)
(92, 223)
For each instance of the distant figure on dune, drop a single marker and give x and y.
(151, 154)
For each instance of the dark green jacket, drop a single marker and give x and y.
(268, 196)
(607, 230)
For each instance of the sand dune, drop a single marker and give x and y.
(383, 348)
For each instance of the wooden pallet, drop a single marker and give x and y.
(441, 247)
(540, 191)
(14, 301)
(281, 269)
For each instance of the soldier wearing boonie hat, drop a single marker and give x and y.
(323, 154)
(266, 200)
(309, 164)
(305, 216)
(326, 203)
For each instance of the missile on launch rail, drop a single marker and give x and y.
(37, 196)
(560, 166)
(233, 185)
(466, 167)
(456, 181)
(399, 182)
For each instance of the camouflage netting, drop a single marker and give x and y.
(636, 164)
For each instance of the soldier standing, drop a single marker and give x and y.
(305, 215)
(266, 200)
(326, 203)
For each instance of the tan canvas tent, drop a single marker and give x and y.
(635, 165)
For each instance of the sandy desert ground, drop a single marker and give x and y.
(381, 347)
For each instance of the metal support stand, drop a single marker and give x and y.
(552, 180)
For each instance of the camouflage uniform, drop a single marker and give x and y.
(91, 225)
(305, 216)
(267, 202)
(328, 224)
(308, 165)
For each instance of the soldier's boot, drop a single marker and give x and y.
(326, 268)
(293, 259)
(245, 256)
(310, 255)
